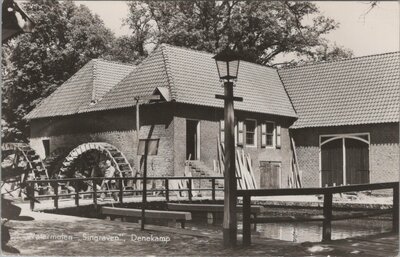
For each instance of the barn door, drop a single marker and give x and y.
(344, 159)
(270, 173)
(332, 163)
(357, 161)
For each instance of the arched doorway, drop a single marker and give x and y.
(344, 159)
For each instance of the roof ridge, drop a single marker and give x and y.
(136, 68)
(208, 53)
(168, 70)
(114, 62)
(334, 61)
(94, 71)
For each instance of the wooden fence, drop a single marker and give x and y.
(121, 190)
(327, 216)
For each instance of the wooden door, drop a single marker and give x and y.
(357, 161)
(270, 175)
(332, 163)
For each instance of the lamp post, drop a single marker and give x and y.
(228, 66)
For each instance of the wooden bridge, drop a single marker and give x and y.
(327, 216)
(167, 190)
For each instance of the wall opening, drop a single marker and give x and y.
(192, 140)
(46, 146)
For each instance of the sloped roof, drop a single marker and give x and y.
(85, 87)
(361, 90)
(148, 75)
(191, 77)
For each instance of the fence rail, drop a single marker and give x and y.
(327, 216)
(96, 181)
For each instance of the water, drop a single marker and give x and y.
(312, 231)
(307, 231)
(294, 232)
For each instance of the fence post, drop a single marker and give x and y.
(94, 182)
(121, 191)
(31, 194)
(395, 221)
(327, 226)
(246, 220)
(56, 194)
(167, 190)
(76, 196)
(190, 190)
(213, 189)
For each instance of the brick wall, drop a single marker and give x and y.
(166, 122)
(384, 150)
(115, 127)
(209, 131)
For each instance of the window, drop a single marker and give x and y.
(251, 129)
(222, 131)
(240, 131)
(267, 134)
(270, 133)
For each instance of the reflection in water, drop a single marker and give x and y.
(312, 231)
(309, 231)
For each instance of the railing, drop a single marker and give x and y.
(327, 216)
(94, 182)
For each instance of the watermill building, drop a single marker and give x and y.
(334, 112)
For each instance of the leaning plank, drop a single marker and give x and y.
(242, 169)
(237, 170)
(296, 163)
(251, 171)
(157, 214)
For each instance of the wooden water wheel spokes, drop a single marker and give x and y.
(29, 161)
(116, 157)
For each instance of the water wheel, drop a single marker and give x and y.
(20, 163)
(83, 159)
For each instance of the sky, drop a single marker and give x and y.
(375, 32)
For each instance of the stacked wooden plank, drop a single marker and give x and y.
(294, 179)
(244, 169)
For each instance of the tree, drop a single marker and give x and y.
(259, 29)
(329, 52)
(126, 50)
(34, 65)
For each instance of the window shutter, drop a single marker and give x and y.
(263, 135)
(240, 133)
(236, 132)
(278, 137)
(222, 130)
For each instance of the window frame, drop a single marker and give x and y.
(255, 133)
(273, 134)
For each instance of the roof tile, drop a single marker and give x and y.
(361, 90)
(75, 95)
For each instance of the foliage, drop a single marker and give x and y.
(67, 36)
(327, 52)
(35, 64)
(126, 50)
(259, 29)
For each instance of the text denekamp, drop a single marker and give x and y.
(150, 238)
